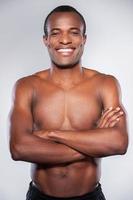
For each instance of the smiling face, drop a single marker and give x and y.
(65, 40)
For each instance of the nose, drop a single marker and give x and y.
(65, 38)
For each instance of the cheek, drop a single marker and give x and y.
(50, 43)
(79, 43)
(53, 42)
(81, 47)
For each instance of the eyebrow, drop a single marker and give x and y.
(75, 28)
(72, 28)
(55, 29)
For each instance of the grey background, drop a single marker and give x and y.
(108, 49)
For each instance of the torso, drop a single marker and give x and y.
(77, 108)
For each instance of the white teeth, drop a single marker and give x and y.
(64, 50)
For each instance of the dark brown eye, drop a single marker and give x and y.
(54, 33)
(75, 33)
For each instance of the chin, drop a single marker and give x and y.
(65, 66)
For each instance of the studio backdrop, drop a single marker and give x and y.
(108, 49)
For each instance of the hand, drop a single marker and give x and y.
(42, 134)
(55, 135)
(110, 118)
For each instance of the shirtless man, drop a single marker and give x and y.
(65, 118)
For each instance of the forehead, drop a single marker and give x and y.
(64, 20)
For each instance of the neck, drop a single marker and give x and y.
(66, 78)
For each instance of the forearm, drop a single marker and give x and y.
(37, 150)
(96, 143)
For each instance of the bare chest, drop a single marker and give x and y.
(54, 108)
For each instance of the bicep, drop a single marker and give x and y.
(21, 115)
(110, 93)
(111, 97)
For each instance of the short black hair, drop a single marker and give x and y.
(63, 8)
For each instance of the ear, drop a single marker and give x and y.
(45, 41)
(85, 37)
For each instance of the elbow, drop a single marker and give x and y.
(16, 152)
(122, 145)
(123, 148)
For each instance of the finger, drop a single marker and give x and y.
(104, 118)
(113, 123)
(110, 116)
(115, 116)
(111, 111)
(105, 112)
(101, 120)
(114, 120)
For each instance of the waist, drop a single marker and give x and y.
(38, 194)
(66, 181)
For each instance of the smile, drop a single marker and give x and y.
(65, 51)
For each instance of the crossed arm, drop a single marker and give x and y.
(56, 147)
(105, 140)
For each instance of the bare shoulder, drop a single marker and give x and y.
(107, 88)
(32, 80)
(42, 74)
(101, 79)
(109, 82)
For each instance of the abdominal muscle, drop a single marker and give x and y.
(67, 180)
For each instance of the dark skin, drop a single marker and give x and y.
(66, 118)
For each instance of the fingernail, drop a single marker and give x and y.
(118, 108)
(121, 112)
(110, 108)
(118, 119)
